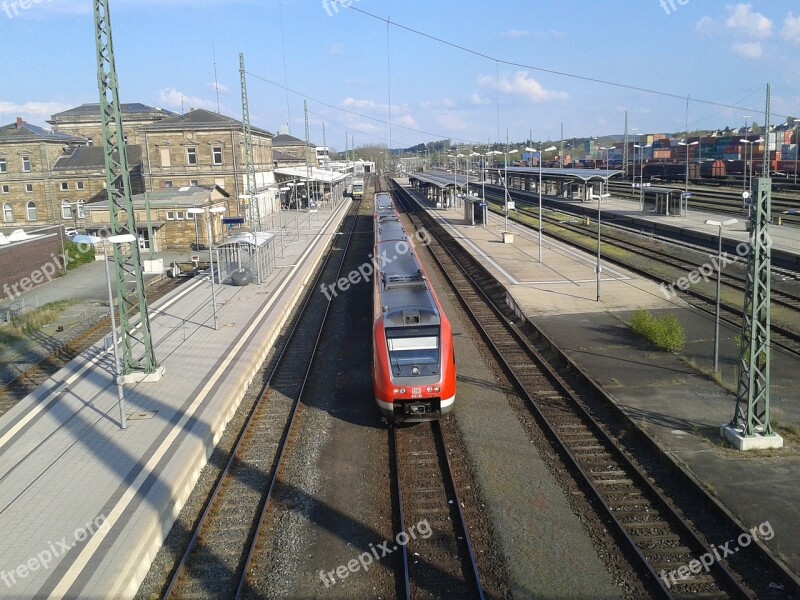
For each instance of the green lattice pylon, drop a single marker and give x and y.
(128, 266)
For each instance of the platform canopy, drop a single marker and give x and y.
(317, 174)
(585, 175)
(442, 180)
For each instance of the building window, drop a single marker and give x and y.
(4, 189)
(31, 211)
(28, 188)
(170, 215)
(3, 166)
(89, 142)
(26, 164)
(79, 185)
(64, 186)
(193, 183)
(191, 156)
(217, 155)
(8, 213)
(167, 185)
(66, 210)
(165, 160)
(81, 212)
(179, 216)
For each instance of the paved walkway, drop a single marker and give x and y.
(666, 393)
(85, 505)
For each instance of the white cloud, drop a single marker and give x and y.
(443, 103)
(705, 26)
(220, 87)
(750, 50)
(174, 99)
(405, 121)
(515, 33)
(451, 121)
(791, 29)
(742, 18)
(478, 100)
(521, 84)
(335, 49)
(36, 113)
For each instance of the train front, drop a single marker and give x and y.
(414, 376)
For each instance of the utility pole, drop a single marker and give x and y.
(253, 210)
(625, 148)
(121, 212)
(750, 427)
(561, 152)
(308, 160)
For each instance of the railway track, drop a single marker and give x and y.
(220, 560)
(660, 538)
(783, 338)
(727, 201)
(26, 382)
(438, 560)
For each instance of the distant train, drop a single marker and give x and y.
(358, 189)
(413, 360)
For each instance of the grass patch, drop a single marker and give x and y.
(663, 332)
(32, 320)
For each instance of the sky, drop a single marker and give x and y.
(499, 68)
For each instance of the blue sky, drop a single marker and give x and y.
(721, 52)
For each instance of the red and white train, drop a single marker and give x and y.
(413, 362)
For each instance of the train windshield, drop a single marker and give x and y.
(413, 351)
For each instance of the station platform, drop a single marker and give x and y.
(84, 504)
(692, 226)
(671, 396)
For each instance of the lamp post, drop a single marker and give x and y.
(600, 196)
(720, 225)
(796, 149)
(125, 238)
(686, 187)
(541, 153)
(744, 170)
(208, 212)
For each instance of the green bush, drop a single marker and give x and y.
(76, 258)
(663, 332)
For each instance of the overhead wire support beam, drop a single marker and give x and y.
(128, 266)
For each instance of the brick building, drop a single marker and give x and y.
(27, 156)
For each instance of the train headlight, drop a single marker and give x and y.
(415, 370)
(396, 390)
(429, 389)
(436, 388)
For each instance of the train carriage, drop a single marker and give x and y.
(413, 358)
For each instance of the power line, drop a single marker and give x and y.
(488, 57)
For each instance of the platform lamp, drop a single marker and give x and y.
(600, 196)
(208, 212)
(720, 225)
(686, 188)
(541, 156)
(125, 238)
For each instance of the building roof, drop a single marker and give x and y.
(284, 139)
(93, 157)
(188, 197)
(317, 174)
(93, 110)
(200, 119)
(25, 132)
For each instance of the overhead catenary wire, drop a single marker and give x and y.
(673, 95)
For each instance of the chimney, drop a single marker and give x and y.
(19, 122)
